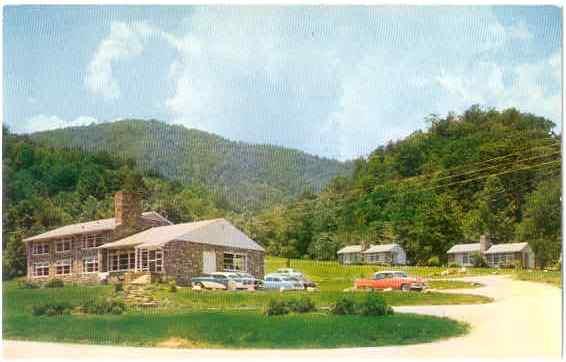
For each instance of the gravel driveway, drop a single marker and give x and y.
(523, 321)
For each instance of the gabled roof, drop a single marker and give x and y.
(350, 249)
(507, 248)
(464, 248)
(91, 226)
(213, 232)
(383, 248)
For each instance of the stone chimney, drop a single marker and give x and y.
(127, 209)
(484, 243)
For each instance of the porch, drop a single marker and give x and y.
(131, 259)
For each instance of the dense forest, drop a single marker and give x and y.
(483, 171)
(246, 176)
(47, 187)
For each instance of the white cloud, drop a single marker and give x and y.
(336, 81)
(42, 122)
(123, 42)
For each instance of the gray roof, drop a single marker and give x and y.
(383, 248)
(91, 226)
(507, 248)
(213, 232)
(350, 249)
(464, 248)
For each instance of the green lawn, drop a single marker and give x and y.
(540, 276)
(333, 276)
(193, 325)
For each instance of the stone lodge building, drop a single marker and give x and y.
(142, 243)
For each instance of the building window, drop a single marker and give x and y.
(63, 267)
(90, 264)
(93, 240)
(465, 259)
(40, 248)
(150, 260)
(122, 260)
(234, 262)
(40, 269)
(64, 245)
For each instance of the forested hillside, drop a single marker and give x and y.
(479, 172)
(246, 176)
(46, 187)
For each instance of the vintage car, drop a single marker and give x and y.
(290, 272)
(391, 279)
(250, 281)
(281, 283)
(306, 283)
(220, 280)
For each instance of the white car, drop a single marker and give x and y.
(235, 281)
(281, 283)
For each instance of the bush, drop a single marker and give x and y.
(478, 261)
(302, 305)
(172, 286)
(24, 284)
(54, 283)
(453, 265)
(277, 307)
(344, 306)
(374, 305)
(433, 261)
(104, 307)
(51, 309)
(118, 287)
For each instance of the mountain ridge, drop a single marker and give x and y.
(248, 176)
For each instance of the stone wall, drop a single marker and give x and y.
(183, 260)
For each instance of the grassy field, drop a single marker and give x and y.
(196, 327)
(549, 277)
(332, 276)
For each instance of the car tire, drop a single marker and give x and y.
(200, 285)
(405, 287)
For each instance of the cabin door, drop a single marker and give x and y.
(208, 261)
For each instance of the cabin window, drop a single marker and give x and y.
(234, 261)
(63, 267)
(40, 269)
(93, 240)
(40, 248)
(90, 264)
(122, 260)
(150, 260)
(64, 245)
(465, 259)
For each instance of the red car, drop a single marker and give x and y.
(391, 279)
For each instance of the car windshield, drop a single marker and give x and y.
(400, 275)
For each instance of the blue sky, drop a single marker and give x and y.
(332, 81)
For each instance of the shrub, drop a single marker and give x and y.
(118, 287)
(24, 284)
(172, 286)
(54, 283)
(302, 305)
(478, 260)
(343, 306)
(453, 265)
(103, 307)
(374, 305)
(277, 307)
(51, 309)
(433, 261)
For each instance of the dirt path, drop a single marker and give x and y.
(523, 321)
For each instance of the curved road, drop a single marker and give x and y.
(524, 321)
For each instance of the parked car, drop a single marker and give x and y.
(281, 283)
(210, 281)
(391, 279)
(249, 280)
(306, 283)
